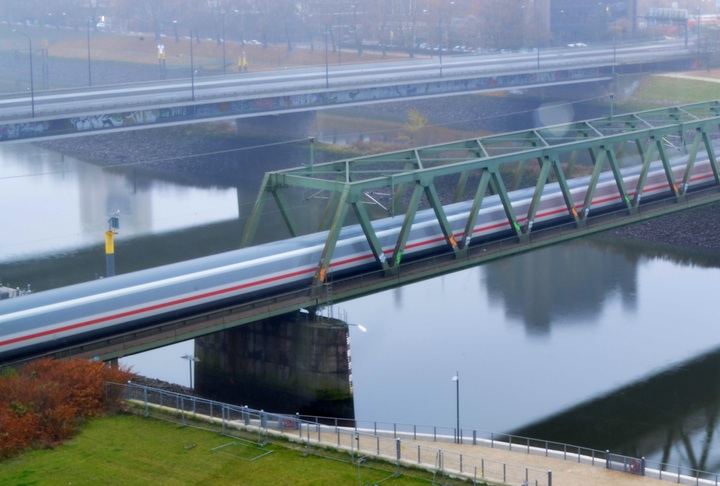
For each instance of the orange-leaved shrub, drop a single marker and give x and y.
(42, 402)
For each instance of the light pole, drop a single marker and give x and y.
(191, 359)
(88, 54)
(223, 41)
(440, 42)
(697, 26)
(458, 434)
(449, 28)
(327, 68)
(537, 32)
(192, 67)
(32, 84)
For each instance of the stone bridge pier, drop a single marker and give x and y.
(288, 364)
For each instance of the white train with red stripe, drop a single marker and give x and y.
(56, 318)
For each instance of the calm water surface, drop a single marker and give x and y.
(54, 203)
(535, 338)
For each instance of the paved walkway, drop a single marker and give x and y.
(708, 76)
(564, 473)
(496, 464)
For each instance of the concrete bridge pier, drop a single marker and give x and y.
(287, 364)
(284, 126)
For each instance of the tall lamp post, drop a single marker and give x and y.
(440, 40)
(697, 26)
(88, 54)
(537, 32)
(192, 67)
(32, 83)
(223, 42)
(458, 434)
(327, 68)
(191, 359)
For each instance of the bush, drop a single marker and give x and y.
(41, 403)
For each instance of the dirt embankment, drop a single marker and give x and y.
(696, 230)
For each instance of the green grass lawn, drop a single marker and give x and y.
(664, 91)
(128, 450)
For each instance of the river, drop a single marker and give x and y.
(591, 334)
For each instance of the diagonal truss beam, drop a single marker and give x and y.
(573, 160)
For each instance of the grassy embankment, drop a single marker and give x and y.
(132, 450)
(659, 91)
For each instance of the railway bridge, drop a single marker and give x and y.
(427, 211)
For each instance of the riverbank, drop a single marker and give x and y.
(694, 233)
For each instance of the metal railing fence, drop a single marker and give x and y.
(328, 432)
(395, 442)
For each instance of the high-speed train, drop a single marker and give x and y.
(56, 318)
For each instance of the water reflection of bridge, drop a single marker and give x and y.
(681, 428)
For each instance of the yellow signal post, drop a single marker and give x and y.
(113, 224)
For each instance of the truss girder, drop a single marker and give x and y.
(692, 155)
(257, 211)
(407, 224)
(482, 187)
(598, 160)
(711, 155)
(591, 152)
(437, 206)
(546, 165)
(332, 238)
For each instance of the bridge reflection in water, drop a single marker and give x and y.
(671, 416)
(679, 429)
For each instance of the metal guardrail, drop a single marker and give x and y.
(581, 455)
(337, 433)
(397, 443)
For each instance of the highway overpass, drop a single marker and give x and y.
(54, 114)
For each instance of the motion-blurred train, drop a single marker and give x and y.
(56, 318)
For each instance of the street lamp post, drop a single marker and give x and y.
(614, 51)
(440, 42)
(88, 54)
(223, 42)
(359, 326)
(449, 35)
(537, 32)
(697, 26)
(192, 67)
(458, 434)
(327, 68)
(191, 359)
(32, 83)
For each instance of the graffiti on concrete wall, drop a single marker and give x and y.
(303, 101)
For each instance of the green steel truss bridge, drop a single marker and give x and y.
(669, 152)
(573, 157)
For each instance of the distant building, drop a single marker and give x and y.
(581, 21)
